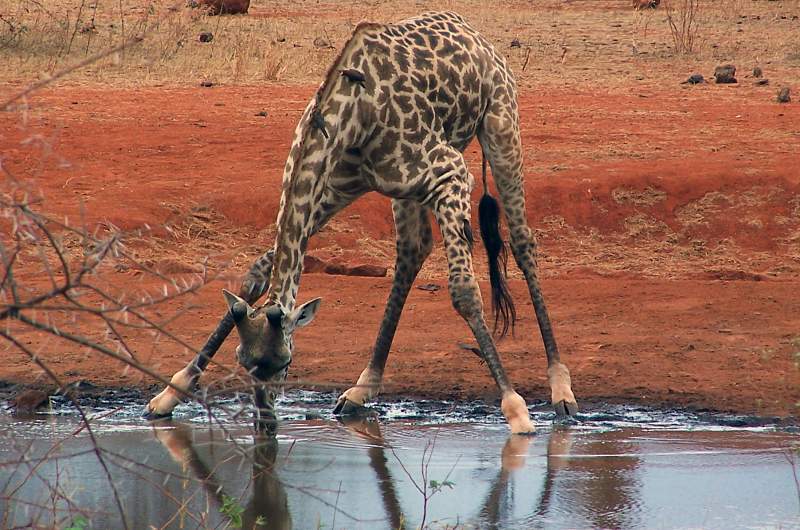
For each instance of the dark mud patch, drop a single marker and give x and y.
(126, 405)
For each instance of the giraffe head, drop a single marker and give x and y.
(266, 334)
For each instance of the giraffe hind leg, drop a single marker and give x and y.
(452, 210)
(500, 140)
(414, 243)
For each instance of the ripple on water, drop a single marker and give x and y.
(616, 466)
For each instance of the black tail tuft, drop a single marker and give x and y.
(505, 315)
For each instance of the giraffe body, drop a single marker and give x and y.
(394, 115)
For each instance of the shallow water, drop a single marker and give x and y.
(615, 468)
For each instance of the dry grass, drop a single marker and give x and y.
(287, 42)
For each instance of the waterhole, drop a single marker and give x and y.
(437, 464)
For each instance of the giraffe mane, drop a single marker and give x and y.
(322, 93)
(336, 64)
(324, 90)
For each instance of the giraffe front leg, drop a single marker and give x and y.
(352, 400)
(466, 297)
(181, 383)
(185, 381)
(414, 243)
(452, 210)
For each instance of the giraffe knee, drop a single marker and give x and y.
(414, 254)
(523, 244)
(466, 297)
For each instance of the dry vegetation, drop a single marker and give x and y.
(292, 42)
(47, 267)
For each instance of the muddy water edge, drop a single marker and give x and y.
(428, 462)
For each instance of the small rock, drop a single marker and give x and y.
(516, 43)
(29, 401)
(262, 114)
(757, 72)
(374, 271)
(206, 83)
(430, 287)
(725, 74)
(783, 95)
(313, 264)
(321, 42)
(694, 79)
(206, 36)
(224, 7)
(646, 4)
(79, 385)
(762, 82)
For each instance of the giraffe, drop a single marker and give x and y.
(394, 114)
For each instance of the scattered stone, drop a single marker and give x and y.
(430, 287)
(206, 83)
(321, 42)
(224, 7)
(646, 4)
(29, 401)
(783, 95)
(206, 36)
(516, 43)
(725, 74)
(762, 82)
(262, 114)
(81, 385)
(313, 264)
(694, 79)
(757, 72)
(373, 271)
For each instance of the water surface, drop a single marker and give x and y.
(617, 468)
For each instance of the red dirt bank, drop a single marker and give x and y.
(646, 207)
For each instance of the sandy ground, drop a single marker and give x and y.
(668, 218)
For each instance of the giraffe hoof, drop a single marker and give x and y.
(151, 415)
(345, 407)
(565, 408)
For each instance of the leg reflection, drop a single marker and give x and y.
(591, 485)
(268, 507)
(369, 429)
(498, 503)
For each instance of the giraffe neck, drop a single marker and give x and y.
(329, 125)
(303, 182)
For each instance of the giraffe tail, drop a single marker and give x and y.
(505, 314)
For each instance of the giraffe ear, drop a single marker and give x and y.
(303, 315)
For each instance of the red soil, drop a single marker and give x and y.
(669, 230)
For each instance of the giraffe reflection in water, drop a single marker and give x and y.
(600, 491)
(268, 502)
